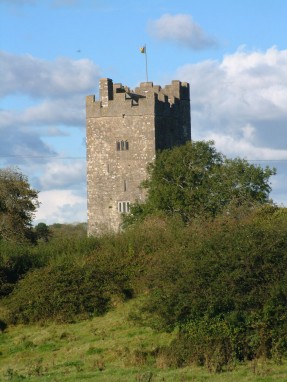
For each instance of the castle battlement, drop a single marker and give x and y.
(125, 129)
(116, 98)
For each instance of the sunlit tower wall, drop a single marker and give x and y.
(125, 129)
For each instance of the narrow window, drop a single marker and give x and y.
(122, 145)
(123, 207)
(125, 185)
(108, 168)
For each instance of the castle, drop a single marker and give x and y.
(125, 129)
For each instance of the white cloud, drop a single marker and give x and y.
(56, 92)
(59, 175)
(180, 29)
(67, 111)
(15, 143)
(34, 77)
(279, 184)
(61, 206)
(58, 89)
(244, 98)
(240, 103)
(243, 145)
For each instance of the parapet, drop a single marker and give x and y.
(177, 90)
(116, 98)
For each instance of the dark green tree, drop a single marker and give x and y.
(195, 180)
(43, 232)
(18, 203)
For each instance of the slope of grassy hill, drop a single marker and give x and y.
(109, 348)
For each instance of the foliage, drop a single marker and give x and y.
(195, 180)
(58, 293)
(128, 352)
(3, 326)
(64, 291)
(18, 202)
(225, 289)
(15, 261)
(77, 230)
(43, 232)
(217, 286)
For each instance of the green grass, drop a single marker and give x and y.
(109, 348)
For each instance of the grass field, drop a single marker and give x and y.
(109, 348)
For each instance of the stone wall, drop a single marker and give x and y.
(124, 130)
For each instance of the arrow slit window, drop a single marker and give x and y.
(122, 145)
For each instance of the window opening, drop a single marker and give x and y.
(123, 207)
(122, 145)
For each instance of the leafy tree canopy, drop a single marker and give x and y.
(43, 232)
(18, 202)
(195, 180)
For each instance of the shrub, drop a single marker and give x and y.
(3, 325)
(72, 285)
(225, 289)
(15, 261)
(58, 293)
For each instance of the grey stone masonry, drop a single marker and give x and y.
(125, 129)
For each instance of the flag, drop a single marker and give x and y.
(142, 49)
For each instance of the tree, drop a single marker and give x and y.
(43, 232)
(194, 180)
(18, 202)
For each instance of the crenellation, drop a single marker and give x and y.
(125, 128)
(146, 85)
(90, 99)
(118, 88)
(106, 91)
(162, 97)
(120, 97)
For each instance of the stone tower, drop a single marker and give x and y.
(125, 129)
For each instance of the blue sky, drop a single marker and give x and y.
(53, 52)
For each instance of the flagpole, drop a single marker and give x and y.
(146, 64)
(143, 50)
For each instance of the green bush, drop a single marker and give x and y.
(59, 293)
(64, 248)
(3, 325)
(229, 274)
(71, 288)
(15, 261)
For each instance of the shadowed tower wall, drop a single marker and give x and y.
(125, 128)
